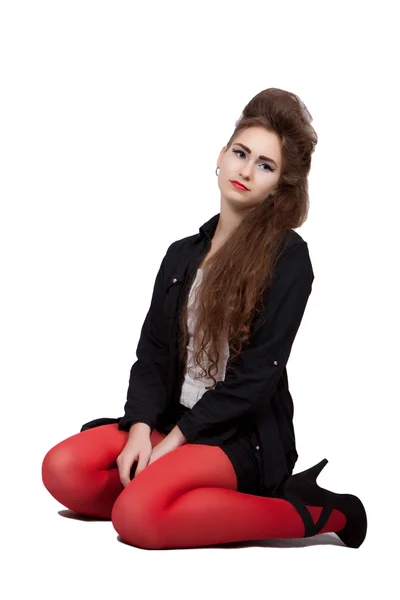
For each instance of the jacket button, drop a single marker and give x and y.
(173, 281)
(257, 447)
(275, 362)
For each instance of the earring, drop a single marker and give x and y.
(216, 171)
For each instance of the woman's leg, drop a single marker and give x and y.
(81, 471)
(189, 498)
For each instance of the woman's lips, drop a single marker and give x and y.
(239, 186)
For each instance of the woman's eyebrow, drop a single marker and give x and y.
(261, 156)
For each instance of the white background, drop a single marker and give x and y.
(112, 118)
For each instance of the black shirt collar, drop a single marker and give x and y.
(208, 228)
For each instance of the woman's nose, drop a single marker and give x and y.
(246, 171)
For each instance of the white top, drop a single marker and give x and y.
(193, 389)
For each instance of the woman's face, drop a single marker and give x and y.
(241, 162)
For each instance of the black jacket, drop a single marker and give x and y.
(255, 388)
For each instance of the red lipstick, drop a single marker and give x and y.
(239, 186)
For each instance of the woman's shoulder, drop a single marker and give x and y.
(178, 245)
(289, 238)
(291, 243)
(176, 256)
(292, 238)
(294, 256)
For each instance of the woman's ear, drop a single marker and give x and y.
(220, 156)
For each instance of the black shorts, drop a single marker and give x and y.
(240, 451)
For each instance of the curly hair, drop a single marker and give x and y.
(236, 278)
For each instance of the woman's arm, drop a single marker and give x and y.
(147, 390)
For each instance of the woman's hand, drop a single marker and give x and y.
(159, 450)
(137, 448)
(172, 441)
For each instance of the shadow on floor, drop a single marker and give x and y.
(322, 539)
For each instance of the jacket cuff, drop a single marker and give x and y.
(188, 428)
(212, 435)
(126, 422)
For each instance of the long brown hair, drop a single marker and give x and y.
(237, 275)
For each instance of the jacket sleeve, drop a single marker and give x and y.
(147, 390)
(251, 379)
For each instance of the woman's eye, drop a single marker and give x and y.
(241, 152)
(272, 170)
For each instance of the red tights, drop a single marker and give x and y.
(186, 498)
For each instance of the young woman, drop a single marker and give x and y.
(195, 463)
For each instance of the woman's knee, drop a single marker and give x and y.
(59, 463)
(81, 472)
(138, 512)
(134, 519)
(72, 457)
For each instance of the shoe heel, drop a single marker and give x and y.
(354, 532)
(312, 473)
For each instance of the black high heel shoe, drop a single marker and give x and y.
(302, 489)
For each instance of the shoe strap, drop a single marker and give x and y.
(326, 512)
(311, 529)
(304, 513)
